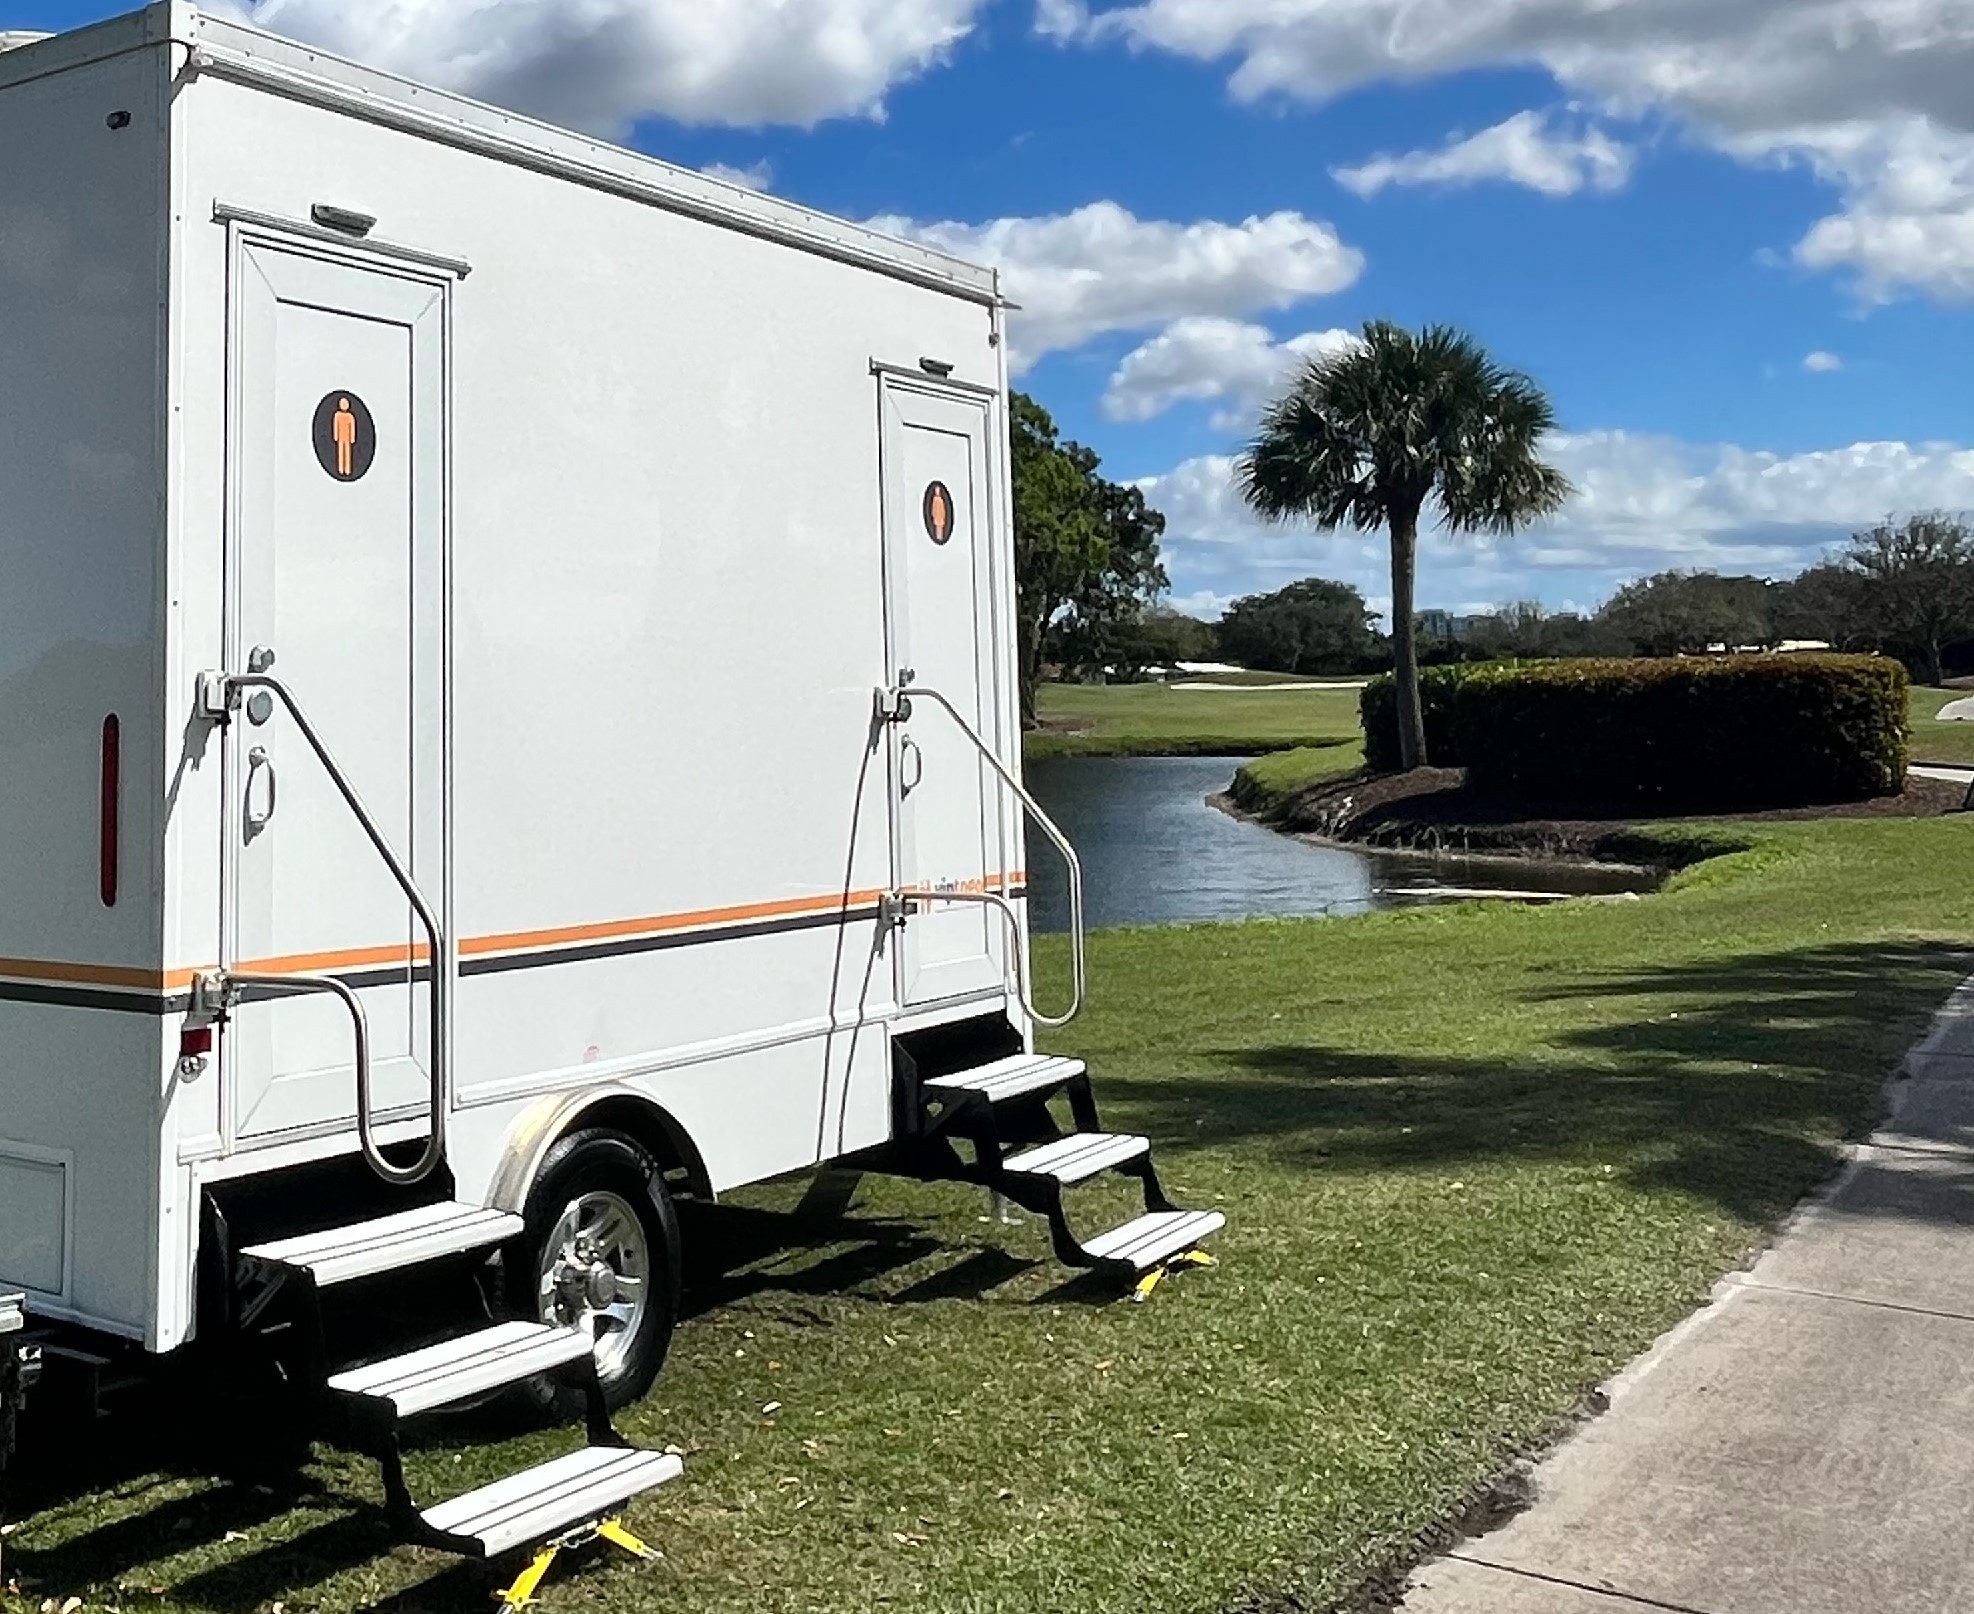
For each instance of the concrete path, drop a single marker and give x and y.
(1952, 776)
(1805, 1445)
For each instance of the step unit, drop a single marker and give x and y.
(993, 1125)
(1152, 1238)
(545, 1501)
(1014, 1077)
(459, 1370)
(368, 1406)
(387, 1244)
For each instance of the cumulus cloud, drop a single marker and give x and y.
(1529, 149)
(601, 65)
(1204, 358)
(1871, 92)
(1642, 504)
(1821, 363)
(756, 176)
(1102, 269)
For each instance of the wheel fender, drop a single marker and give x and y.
(549, 1119)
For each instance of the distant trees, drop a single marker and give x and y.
(1916, 585)
(1527, 631)
(1085, 550)
(1689, 613)
(1314, 626)
(1129, 647)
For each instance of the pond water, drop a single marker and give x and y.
(1154, 852)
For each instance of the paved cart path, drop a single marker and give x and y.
(1805, 1445)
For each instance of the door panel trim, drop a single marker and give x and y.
(260, 251)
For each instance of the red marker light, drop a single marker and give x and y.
(111, 807)
(195, 1042)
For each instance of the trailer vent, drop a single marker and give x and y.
(344, 219)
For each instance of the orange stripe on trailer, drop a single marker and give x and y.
(519, 941)
(47, 969)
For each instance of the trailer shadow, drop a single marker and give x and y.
(1721, 1079)
(739, 1253)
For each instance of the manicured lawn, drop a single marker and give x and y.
(1934, 741)
(1474, 1158)
(1155, 720)
(1281, 774)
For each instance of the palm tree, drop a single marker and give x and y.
(1372, 431)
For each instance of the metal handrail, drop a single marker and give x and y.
(1024, 972)
(225, 697)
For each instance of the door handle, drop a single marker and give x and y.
(907, 748)
(258, 762)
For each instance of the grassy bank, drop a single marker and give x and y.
(1934, 741)
(1474, 1158)
(1158, 720)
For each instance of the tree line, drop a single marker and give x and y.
(1903, 588)
(1373, 436)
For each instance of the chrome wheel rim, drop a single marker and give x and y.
(596, 1276)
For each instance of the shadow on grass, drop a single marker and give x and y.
(1725, 1079)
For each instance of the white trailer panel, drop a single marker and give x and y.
(584, 504)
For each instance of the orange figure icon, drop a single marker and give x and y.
(938, 513)
(343, 430)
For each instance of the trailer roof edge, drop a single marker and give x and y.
(246, 55)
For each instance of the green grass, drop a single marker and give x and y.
(1932, 740)
(1155, 720)
(1474, 1159)
(1269, 781)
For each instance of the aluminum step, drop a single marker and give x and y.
(1154, 1237)
(1078, 1157)
(389, 1244)
(13, 1313)
(1010, 1077)
(460, 1369)
(531, 1507)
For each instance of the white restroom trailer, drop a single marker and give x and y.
(541, 613)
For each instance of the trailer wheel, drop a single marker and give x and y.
(601, 1252)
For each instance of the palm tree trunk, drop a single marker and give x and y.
(1404, 640)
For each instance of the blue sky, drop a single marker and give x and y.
(1735, 241)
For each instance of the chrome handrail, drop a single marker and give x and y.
(895, 704)
(219, 694)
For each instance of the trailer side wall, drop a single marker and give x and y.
(82, 1068)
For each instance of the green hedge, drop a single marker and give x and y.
(1740, 731)
(1377, 704)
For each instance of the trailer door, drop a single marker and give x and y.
(335, 555)
(944, 621)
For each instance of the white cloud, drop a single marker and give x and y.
(602, 65)
(1872, 92)
(1642, 504)
(1205, 358)
(1821, 363)
(756, 176)
(1528, 149)
(1101, 269)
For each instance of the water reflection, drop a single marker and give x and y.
(1155, 853)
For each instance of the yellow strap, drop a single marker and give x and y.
(613, 1531)
(1158, 1274)
(522, 1592)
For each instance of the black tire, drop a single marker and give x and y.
(600, 1162)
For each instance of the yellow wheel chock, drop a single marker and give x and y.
(1152, 1279)
(528, 1582)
